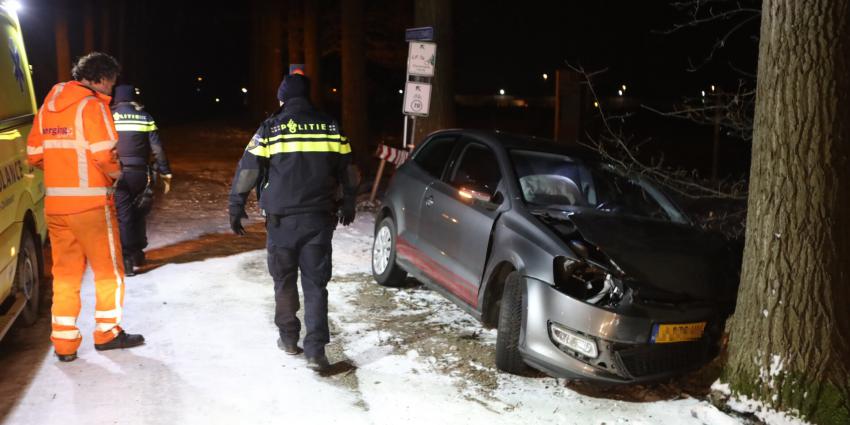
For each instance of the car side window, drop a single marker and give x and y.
(477, 170)
(435, 154)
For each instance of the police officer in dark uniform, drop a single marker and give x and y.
(297, 161)
(137, 139)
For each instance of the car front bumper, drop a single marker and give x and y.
(626, 353)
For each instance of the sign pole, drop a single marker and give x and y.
(413, 131)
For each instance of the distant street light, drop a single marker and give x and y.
(545, 76)
(502, 92)
(244, 90)
(200, 78)
(217, 100)
(712, 87)
(703, 93)
(400, 91)
(624, 87)
(620, 92)
(138, 91)
(333, 90)
(595, 104)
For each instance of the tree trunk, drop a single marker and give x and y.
(63, 47)
(438, 13)
(88, 26)
(295, 33)
(790, 336)
(266, 57)
(354, 105)
(105, 26)
(312, 53)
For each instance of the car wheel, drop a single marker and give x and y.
(384, 268)
(508, 357)
(28, 278)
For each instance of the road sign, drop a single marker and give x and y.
(419, 34)
(421, 58)
(417, 99)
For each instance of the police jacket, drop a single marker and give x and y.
(138, 137)
(297, 160)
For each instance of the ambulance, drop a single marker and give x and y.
(23, 229)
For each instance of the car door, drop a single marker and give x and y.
(409, 184)
(458, 213)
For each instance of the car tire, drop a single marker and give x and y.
(28, 278)
(384, 268)
(508, 357)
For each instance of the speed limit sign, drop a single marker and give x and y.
(417, 99)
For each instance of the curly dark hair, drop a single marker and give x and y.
(96, 66)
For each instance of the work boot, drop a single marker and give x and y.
(123, 340)
(129, 266)
(139, 258)
(318, 363)
(66, 357)
(289, 348)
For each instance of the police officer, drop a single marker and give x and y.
(137, 139)
(297, 160)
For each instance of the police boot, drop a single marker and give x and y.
(290, 348)
(129, 266)
(123, 340)
(318, 363)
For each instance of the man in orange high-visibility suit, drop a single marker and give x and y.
(73, 139)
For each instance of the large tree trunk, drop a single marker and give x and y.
(266, 57)
(88, 26)
(354, 105)
(63, 47)
(790, 336)
(105, 26)
(294, 32)
(438, 13)
(312, 53)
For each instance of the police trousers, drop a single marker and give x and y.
(302, 243)
(131, 219)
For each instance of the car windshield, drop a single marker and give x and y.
(558, 181)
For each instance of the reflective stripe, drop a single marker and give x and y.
(65, 320)
(62, 144)
(78, 191)
(105, 327)
(135, 127)
(306, 136)
(52, 104)
(106, 314)
(69, 335)
(35, 151)
(102, 146)
(82, 163)
(106, 121)
(120, 121)
(112, 253)
(290, 147)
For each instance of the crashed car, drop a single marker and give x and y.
(587, 273)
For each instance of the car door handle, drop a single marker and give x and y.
(429, 200)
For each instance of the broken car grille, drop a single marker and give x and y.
(663, 358)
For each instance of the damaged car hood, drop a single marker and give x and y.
(665, 261)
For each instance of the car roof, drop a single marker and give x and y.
(511, 141)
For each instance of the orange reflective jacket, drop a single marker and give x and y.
(72, 139)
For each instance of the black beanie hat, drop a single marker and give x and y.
(124, 93)
(292, 86)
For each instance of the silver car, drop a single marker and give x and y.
(587, 273)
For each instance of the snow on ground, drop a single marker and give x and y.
(211, 358)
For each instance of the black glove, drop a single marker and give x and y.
(236, 221)
(346, 213)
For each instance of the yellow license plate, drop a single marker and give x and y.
(677, 332)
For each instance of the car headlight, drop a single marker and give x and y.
(581, 344)
(587, 282)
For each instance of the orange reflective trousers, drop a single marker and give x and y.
(89, 235)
